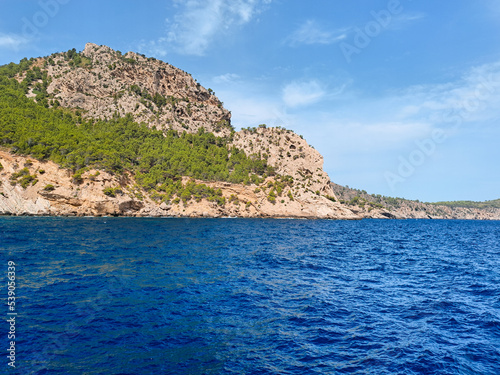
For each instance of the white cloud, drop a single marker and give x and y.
(154, 47)
(312, 33)
(226, 78)
(378, 137)
(404, 20)
(200, 22)
(12, 41)
(382, 125)
(252, 106)
(473, 97)
(389, 125)
(297, 94)
(254, 111)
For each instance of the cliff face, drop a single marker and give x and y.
(102, 82)
(290, 154)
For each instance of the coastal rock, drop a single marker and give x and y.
(53, 191)
(290, 154)
(107, 83)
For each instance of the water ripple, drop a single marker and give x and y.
(191, 296)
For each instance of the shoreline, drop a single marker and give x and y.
(263, 217)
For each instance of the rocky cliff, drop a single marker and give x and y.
(101, 83)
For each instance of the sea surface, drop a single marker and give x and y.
(238, 296)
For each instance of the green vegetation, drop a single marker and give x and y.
(93, 176)
(200, 191)
(159, 100)
(23, 178)
(77, 59)
(10, 70)
(271, 197)
(77, 177)
(361, 198)
(49, 187)
(21, 173)
(112, 192)
(234, 199)
(157, 160)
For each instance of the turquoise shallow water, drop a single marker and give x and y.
(235, 296)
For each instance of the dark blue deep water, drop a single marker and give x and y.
(234, 296)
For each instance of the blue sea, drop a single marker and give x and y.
(251, 296)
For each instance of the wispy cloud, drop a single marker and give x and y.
(254, 110)
(403, 20)
(302, 93)
(310, 32)
(297, 94)
(364, 137)
(226, 78)
(198, 23)
(256, 104)
(471, 98)
(387, 123)
(12, 41)
(260, 102)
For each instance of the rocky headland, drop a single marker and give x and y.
(100, 84)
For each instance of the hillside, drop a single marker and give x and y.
(101, 133)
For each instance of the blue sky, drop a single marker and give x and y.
(401, 97)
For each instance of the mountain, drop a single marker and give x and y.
(99, 132)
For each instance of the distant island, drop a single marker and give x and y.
(101, 133)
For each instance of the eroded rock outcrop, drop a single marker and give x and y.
(290, 154)
(102, 83)
(106, 83)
